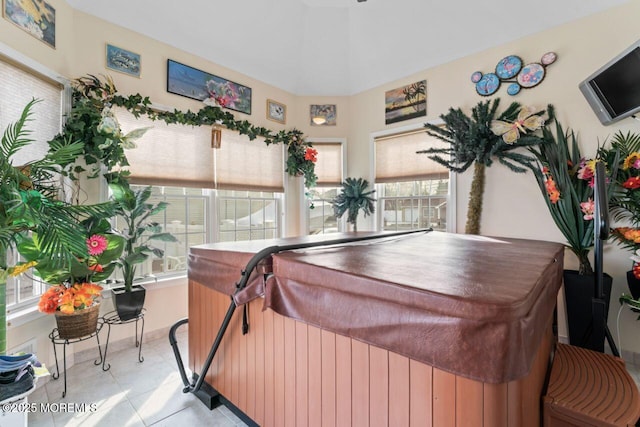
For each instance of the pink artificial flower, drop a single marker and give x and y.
(96, 244)
(587, 209)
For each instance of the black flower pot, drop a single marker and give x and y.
(634, 285)
(129, 304)
(579, 291)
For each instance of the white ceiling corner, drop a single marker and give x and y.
(336, 47)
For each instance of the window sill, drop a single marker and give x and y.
(21, 316)
(24, 315)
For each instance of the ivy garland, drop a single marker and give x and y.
(91, 96)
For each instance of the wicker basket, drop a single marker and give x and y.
(79, 323)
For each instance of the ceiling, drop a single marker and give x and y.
(336, 47)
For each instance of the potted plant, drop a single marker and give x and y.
(625, 205)
(133, 207)
(481, 138)
(74, 293)
(353, 198)
(29, 202)
(565, 178)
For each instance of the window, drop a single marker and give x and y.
(413, 191)
(228, 193)
(414, 204)
(185, 218)
(329, 167)
(20, 84)
(247, 215)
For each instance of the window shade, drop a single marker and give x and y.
(329, 165)
(19, 86)
(396, 158)
(180, 155)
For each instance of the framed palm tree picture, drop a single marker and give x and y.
(406, 102)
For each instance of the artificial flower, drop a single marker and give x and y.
(632, 161)
(587, 171)
(587, 209)
(632, 183)
(311, 154)
(69, 299)
(21, 268)
(552, 190)
(96, 244)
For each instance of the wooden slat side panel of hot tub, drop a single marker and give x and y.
(287, 373)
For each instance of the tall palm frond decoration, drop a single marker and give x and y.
(478, 140)
(29, 202)
(353, 198)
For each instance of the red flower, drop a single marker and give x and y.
(311, 155)
(636, 270)
(632, 183)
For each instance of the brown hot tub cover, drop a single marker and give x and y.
(470, 305)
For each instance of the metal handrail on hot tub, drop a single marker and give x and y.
(196, 387)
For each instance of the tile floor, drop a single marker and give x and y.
(129, 394)
(136, 394)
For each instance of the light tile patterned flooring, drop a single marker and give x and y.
(129, 394)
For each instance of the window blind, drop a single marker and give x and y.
(396, 158)
(329, 165)
(19, 86)
(181, 156)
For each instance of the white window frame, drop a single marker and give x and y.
(305, 208)
(451, 199)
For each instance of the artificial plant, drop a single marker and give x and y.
(29, 202)
(479, 139)
(565, 178)
(134, 208)
(354, 196)
(93, 99)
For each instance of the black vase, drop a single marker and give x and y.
(579, 290)
(129, 304)
(634, 285)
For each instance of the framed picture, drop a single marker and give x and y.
(122, 60)
(322, 114)
(197, 84)
(276, 112)
(36, 18)
(406, 102)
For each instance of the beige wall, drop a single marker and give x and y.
(513, 204)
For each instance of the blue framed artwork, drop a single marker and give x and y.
(122, 60)
(197, 84)
(36, 18)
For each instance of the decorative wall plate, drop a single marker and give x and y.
(508, 67)
(488, 84)
(531, 75)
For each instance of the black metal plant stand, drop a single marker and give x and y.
(112, 318)
(54, 336)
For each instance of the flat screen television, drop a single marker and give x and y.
(614, 90)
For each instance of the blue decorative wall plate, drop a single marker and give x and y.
(508, 67)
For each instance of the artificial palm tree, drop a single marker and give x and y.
(477, 141)
(29, 202)
(353, 198)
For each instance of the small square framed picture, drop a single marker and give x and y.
(276, 111)
(122, 60)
